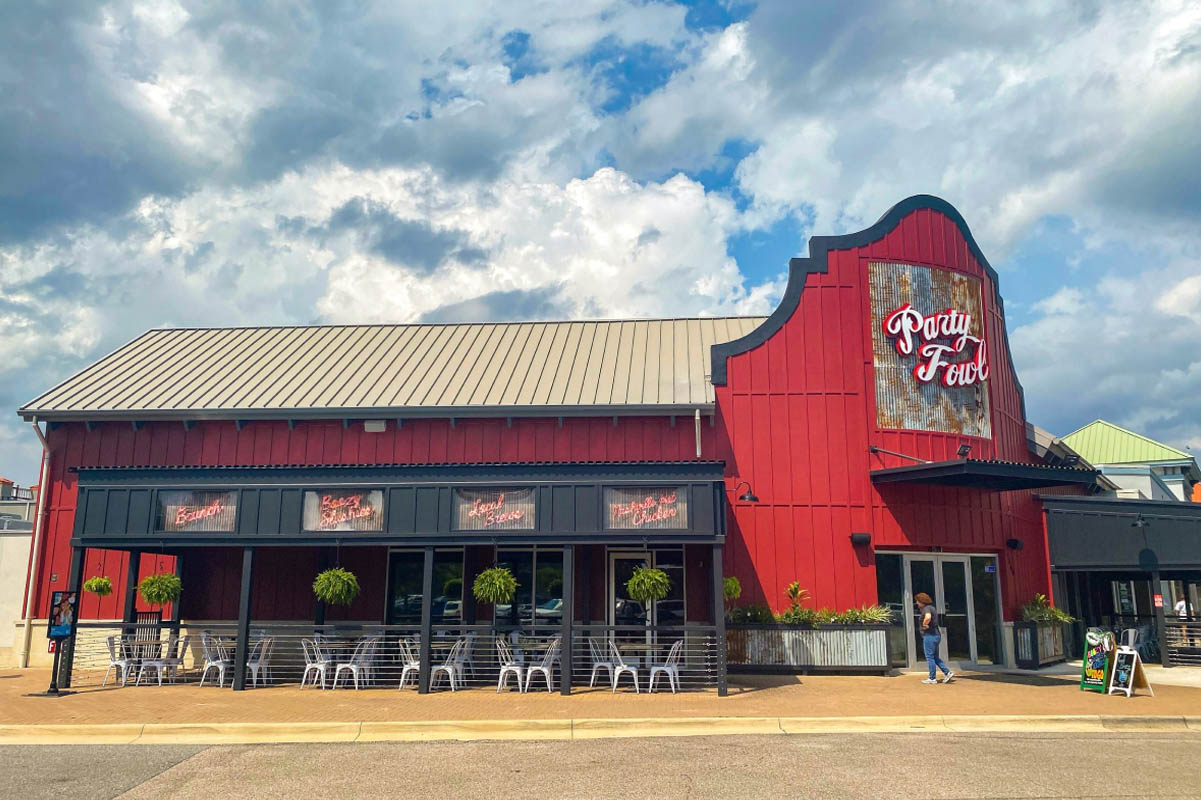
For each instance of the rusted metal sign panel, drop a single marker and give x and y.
(928, 350)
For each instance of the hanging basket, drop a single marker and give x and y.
(648, 584)
(336, 587)
(494, 585)
(99, 586)
(158, 590)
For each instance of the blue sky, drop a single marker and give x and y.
(188, 163)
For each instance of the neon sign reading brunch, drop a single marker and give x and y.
(185, 515)
(935, 339)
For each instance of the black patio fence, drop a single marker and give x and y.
(366, 656)
(1183, 641)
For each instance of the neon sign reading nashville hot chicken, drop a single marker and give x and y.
(936, 339)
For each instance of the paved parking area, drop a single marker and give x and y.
(858, 766)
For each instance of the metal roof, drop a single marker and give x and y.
(1102, 442)
(547, 368)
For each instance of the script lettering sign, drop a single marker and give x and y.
(344, 510)
(494, 509)
(198, 511)
(646, 508)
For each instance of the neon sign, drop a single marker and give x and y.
(935, 338)
(494, 509)
(353, 510)
(646, 508)
(198, 511)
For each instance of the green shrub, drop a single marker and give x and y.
(158, 590)
(494, 585)
(99, 586)
(1040, 610)
(648, 584)
(754, 614)
(731, 590)
(798, 615)
(336, 587)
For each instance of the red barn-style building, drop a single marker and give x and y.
(867, 440)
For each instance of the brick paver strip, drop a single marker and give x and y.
(750, 696)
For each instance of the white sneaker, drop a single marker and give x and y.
(929, 680)
(947, 678)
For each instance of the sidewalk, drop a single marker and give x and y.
(758, 697)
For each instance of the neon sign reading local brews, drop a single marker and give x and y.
(936, 339)
(494, 509)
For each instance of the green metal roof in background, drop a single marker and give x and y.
(1102, 442)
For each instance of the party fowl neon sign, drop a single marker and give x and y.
(936, 339)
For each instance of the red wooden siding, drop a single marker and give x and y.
(797, 416)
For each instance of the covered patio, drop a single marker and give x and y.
(249, 541)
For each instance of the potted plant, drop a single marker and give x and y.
(336, 587)
(495, 586)
(647, 585)
(98, 585)
(1038, 639)
(160, 589)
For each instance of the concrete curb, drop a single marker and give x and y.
(571, 729)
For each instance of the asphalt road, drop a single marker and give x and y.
(859, 766)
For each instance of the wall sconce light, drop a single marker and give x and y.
(963, 450)
(1014, 544)
(748, 496)
(861, 539)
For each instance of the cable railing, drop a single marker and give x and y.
(366, 656)
(1183, 640)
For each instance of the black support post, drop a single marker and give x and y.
(177, 616)
(67, 647)
(427, 622)
(130, 614)
(565, 654)
(322, 565)
(243, 645)
(1161, 629)
(719, 622)
(586, 571)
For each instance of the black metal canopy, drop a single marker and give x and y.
(998, 476)
(1105, 533)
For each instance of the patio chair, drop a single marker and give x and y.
(215, 657)
(315, 661)
(670, 668)
(545, 665)
(159, 662)
(410, 661)
(450, 666)
(508, 666)
(467, 657)
(599, 661)
(621, 667)
(118, 658)
(358, 664)
(260, 660)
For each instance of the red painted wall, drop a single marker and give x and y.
(220, 443)
(796, 418)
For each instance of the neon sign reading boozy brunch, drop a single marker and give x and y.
(935, 339)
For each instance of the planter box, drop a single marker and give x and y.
(1036, 644)
(804, 649)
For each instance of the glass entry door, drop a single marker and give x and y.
(947, 579)
(669, 610)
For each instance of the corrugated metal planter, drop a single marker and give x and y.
(797, 648)
(1036, 644)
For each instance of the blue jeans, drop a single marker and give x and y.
(930, 648)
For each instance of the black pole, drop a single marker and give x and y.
(586, 571)
(177, 616)
(719, 622)
(1161, 629)
(74, 584)
(322, 565)
(471, 568)
(427, 622)
(565, 654)
(243, 642)
(133, 569)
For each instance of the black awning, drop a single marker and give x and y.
(998, 476)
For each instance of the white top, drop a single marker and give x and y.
(1181, 608)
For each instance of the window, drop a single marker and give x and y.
(405, 579)
(539, 574)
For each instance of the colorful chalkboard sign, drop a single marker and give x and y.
(1094, 672)
(1128, 673)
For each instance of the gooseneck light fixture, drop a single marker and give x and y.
(963, 450)
(748, 496)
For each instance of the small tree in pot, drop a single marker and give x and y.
(336, 587)
(98, 585)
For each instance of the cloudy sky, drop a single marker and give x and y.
(211, 163)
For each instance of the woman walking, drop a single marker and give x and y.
(931, 637)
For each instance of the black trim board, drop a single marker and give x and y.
(817, 261)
